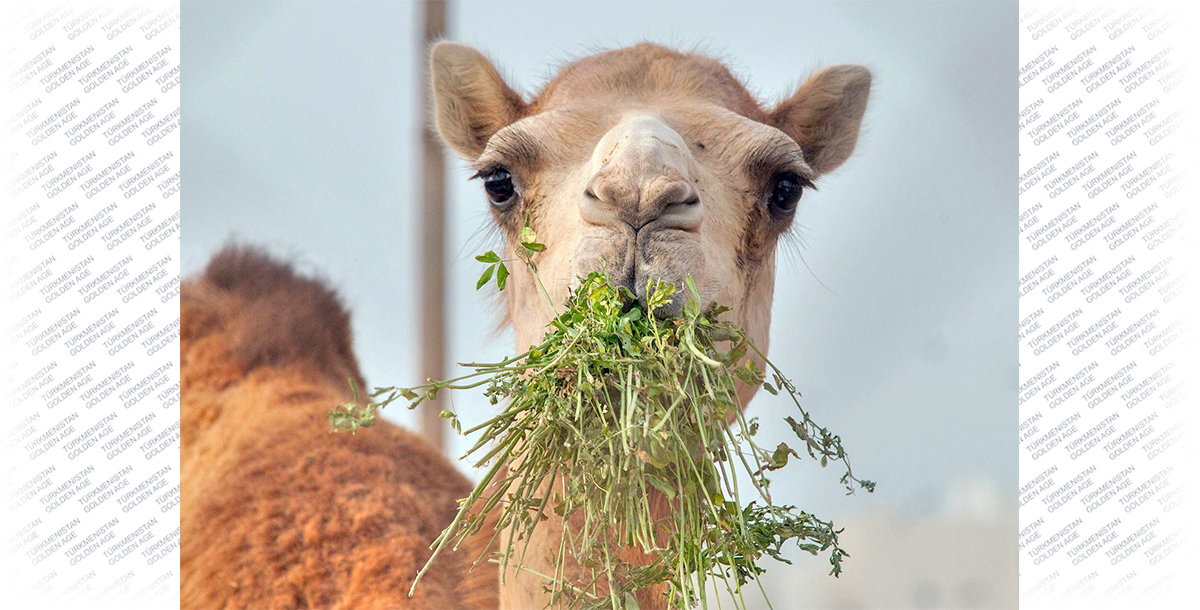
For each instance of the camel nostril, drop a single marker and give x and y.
(676, 195)
(590, 195)
(684, 215)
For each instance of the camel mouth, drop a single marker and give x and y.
(636, 283)
(668, 255)
(673, 307)
(635, 260)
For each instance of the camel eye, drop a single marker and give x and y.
(499, 186)
(783, 193)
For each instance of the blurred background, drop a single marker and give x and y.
(894, 302)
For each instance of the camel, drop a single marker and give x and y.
(644, 161)
(275, 511)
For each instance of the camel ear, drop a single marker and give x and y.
(471, 100)
(824, 115)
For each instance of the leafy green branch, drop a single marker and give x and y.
(615, 405)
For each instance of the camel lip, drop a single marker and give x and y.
(633, 285)
(634, 294)
(632, 278)
(673, 308)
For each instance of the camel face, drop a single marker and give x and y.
(649, 164)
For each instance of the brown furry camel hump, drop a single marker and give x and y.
(276, 511)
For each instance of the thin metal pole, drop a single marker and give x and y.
(432, 296)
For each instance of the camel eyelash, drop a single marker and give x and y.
(487, 170)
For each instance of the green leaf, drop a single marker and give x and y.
(487, 275)
(527, 235)
(501, 276)
(770, 388)
(488, 257)
(631, 602)
(780, 457)
(536, 247)
(691, 284)
(800, 430)
(662, 486)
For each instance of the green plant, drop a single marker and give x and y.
(614, 403)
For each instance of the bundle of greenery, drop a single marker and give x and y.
(615, 405)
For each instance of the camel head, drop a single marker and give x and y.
(649, 163)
